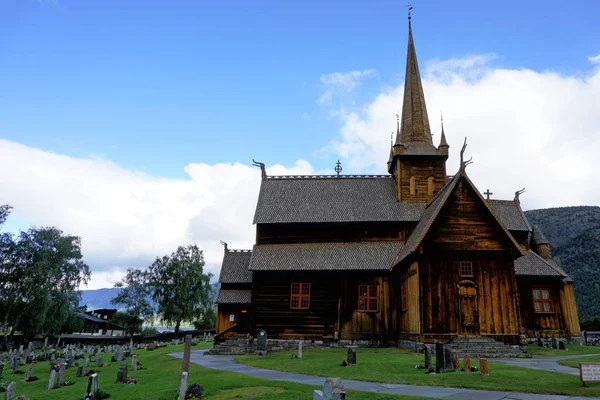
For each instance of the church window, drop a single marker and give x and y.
(413, 185)
(430, 185)
(466, 268)
(367, 297)
(300, 296)
(403, 296)
(541, 300)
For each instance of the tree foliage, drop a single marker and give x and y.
(128, 320)
(41, 270)
(180, 287)
(135, 294)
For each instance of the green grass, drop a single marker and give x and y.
(398, 366)
(572, 349)
(161, 379)
(574, 362)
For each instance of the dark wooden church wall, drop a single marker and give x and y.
(272, 310)
(408, 320)
(421, 169)
(569, 309)
(541, 324)
(332, 232)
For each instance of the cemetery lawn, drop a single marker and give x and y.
(392, 365)
(161, 379)
(574, 362)
(572, 349)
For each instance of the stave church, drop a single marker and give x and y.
(416, 255)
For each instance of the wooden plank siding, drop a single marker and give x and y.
(552, 324)
(569, 309)
(421, 169)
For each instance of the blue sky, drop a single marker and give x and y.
(114, 114)
(153, 85)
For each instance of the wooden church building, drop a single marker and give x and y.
(414, 255)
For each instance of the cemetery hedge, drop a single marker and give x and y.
(393, 365)
(160, 380)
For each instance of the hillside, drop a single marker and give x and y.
(100, 298)
(574, 234)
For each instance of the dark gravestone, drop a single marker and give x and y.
(554, 343)
(261, 343)
(439, 358)
(562, 345)
(351, 358)
(10, 391)
(427, 357)
(79, 372)
(448, 359)
(1, 368)
(540, 342)
(122, 374)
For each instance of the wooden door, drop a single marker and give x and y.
(469, 315)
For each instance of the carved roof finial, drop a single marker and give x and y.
(263, 171)
(463, 164)
(518, 193)
(224, 245)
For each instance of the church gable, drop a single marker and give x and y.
(465, 223)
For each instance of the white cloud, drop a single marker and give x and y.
(127, 218)
(595, 59)
(540, 130)
(341, 82)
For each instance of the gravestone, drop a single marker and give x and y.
(79, 372)
(427, 358)
(299, 350)
(1, 369)
(10, 391)
(122, 374)
(21, 350)
(99, 361)
(562, 345)
(261, 343)
(61, 374)
(540, 342)
(554, 343)
(183, 385)
(51, 379)
(483, 366)
(29, 372)
(15, 364)
(91, 386)
(351, 357)
(467, 362)
(333, 389)
(448, 359)
(133, 363)
(439, 358)
(86, 366)
(456, 361)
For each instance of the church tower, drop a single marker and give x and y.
(418, 167)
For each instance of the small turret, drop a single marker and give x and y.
(541, 245)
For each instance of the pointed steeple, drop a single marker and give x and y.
(415, 123)
(443, 142)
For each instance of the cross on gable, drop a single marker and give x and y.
(488, 193)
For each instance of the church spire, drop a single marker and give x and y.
(415, 123)
(443, 142)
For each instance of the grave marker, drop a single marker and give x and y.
(562, 345)
(448, 358)
(133, 362)
(51, 379)
(299, 349)
(456, 361)
(99, 360)
(427, 357)
(61, 374)
(439, 358)
(333, 389)
(467, 362)
(351, 357)
(183, 386)
(122, 374)
(10, 391)
(86, 366)
(29, 372)
(554, 343)
(483, 366)
(261, 343)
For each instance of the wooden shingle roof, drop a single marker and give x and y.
(235, 267)
(510, 213)
(341, 256)
(531, 264)
(327, 198)
(234, 297)
(538, 236)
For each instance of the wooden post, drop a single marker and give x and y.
(186, 354)
(467, 362)
(483, 366)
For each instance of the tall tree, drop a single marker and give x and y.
(135, 295)
(41, 270)
(180, 287)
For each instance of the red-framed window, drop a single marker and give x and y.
(541, 300)
(403, 296)
(300, 296)
(367, 298)
(466, 269)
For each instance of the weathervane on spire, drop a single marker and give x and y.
(410, 7)
(338, 167)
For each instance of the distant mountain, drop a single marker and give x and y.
(100, 298)
(574, 236)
